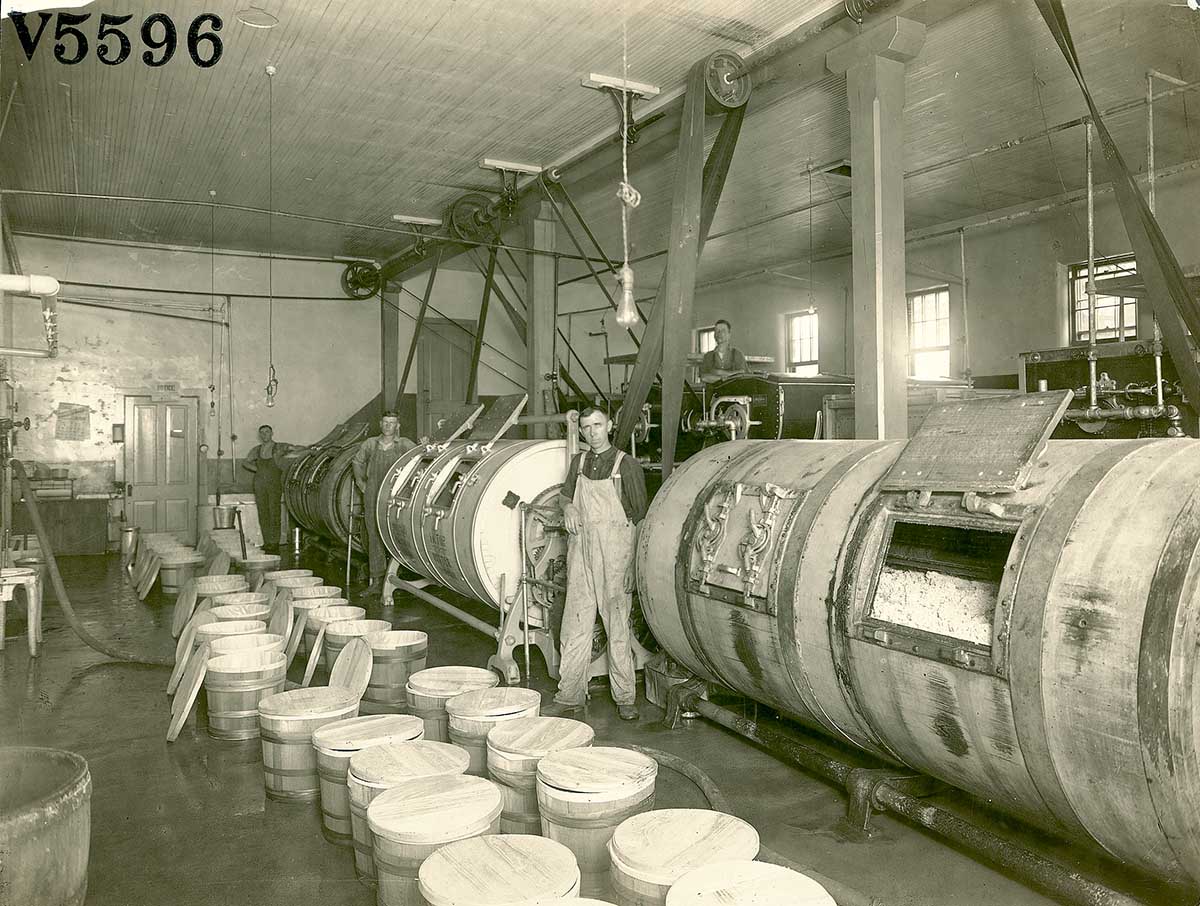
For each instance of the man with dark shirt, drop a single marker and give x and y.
(603, 501)
(725, 359)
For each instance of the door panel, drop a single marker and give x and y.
(443, 367)
(161, 465)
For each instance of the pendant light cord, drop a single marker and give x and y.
(272, 380)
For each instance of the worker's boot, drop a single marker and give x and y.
(628, 712)
(563, 709)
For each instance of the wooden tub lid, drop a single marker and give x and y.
(334, 614)
(276, 574)
(182, 557)
(596, 769)
(352, 669)
(216, 584)
(537, 737)
(356, 733)
(258, 559)
(295, 582)
(228, 613)
(751, 883)
(317, 591)
(349, 629)
(435, 809)
(484, 703)
(497, 868)
(250, 661)
(395, 762)
(230, 627)
(319, 701)
(234, 643)
(397, 639)
(446, 682)
(661, 845)
(239, 597)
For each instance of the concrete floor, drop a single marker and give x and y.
(187, 823)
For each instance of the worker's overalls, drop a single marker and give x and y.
(597, 559)
(268, 494)
(381, 459)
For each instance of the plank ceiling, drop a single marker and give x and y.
(379, 108)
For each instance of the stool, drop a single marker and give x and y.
(9, 580)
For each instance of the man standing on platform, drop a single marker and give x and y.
(725, 358)
(603, 501)
(374, 457)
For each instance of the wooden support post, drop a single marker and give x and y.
(389, 347)
(541, 233)
(874, 66)
(480, 325)
(420, 322)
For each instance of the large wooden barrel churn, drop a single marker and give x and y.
(1036, 646)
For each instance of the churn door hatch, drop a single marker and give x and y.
(986, 445)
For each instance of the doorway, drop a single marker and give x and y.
(161, 465)
(443, 367)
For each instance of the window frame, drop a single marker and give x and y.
(794, 366)
(947, 347)
(1077, 300)
(701, 333)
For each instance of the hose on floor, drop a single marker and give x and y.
(843, 894)
(60, 590)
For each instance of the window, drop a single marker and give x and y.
(929, 333)
(802, 345)
(706, 339)
(1116, 316)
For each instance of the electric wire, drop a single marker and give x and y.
(272, 381)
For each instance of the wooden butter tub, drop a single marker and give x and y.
(251, 606)
(233, 644)
(235, 684)
(398, 654)
(498, 869)
(760, 883)
(211, 586)
(414, 819)
(176, 567)
(513, 752)
(287, 721)
(382, 767)
(322, 615)
(428, 691)
(339, 632)
(471, 715)
(651, 851)
(212, 631)
(583, 794)
(335, 743)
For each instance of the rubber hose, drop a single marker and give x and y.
(60, 590)
(841, 893)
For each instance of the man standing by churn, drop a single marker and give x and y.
(374, 457)
(603, 501)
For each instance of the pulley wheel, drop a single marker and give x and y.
(470, 219)
(738, 417)
(727, 81)
(360, 280)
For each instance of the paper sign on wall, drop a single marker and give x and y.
(72, 422)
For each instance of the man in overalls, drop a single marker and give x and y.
(603, 501)
(374, 457)
(266, 461)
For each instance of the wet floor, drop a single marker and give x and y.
(188, 823)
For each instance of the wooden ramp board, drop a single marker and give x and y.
(189, 689)
(456, 423)
(988, 445)
(294, 639)
(500, 416)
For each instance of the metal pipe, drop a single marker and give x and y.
(554, 418)
(1150, 175)
(1091, 279)
(1032, 868)
(461, 615)
(25, 353)
(962, 270)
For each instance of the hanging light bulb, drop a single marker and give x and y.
(627, 313)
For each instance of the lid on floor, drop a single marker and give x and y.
(352, 628)
(485, 703)
(497, 868)
(446, 682)
(435, 809)
(661, 845)
(596, 769)
(537, 737)
(352, 669)
(355, 733)
(392, 763)
(757, 883)
(321, 701)
(397, 639)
